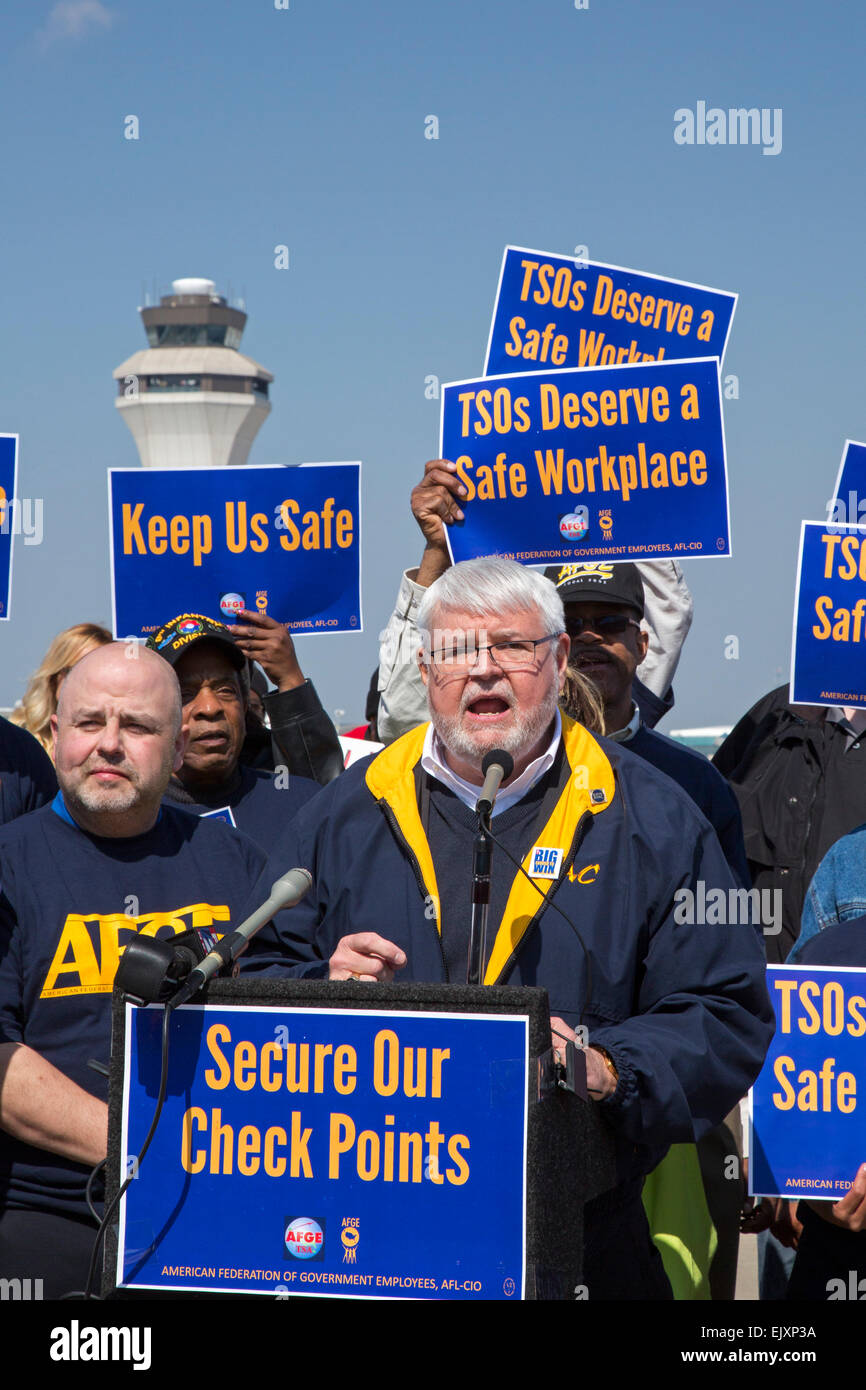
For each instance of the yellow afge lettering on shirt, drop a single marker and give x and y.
(90, 945)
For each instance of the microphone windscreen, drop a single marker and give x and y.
(291, 886)
(498, 757)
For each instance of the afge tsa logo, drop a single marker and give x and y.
(574, 525)
(305, 1238)
(231, 603)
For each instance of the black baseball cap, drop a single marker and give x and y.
(174, 639)
(599, 582)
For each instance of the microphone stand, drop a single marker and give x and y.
(482, 850)
(497, 766)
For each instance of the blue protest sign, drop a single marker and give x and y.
(282, 541)
(827, 665)
(808, 1132)
(8, 504)
(556, 311)
(612, 463)
(327, 1152)
(848, 505)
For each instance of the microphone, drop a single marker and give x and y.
(286, 892)
(150, 969)
(497, 768)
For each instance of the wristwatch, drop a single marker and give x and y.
(608, 1061)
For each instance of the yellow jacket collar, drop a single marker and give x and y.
(589, 786)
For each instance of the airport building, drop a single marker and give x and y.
(191, 398)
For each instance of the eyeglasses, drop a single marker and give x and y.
(608, 625)
(515, 655)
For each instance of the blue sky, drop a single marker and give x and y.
(305, 127)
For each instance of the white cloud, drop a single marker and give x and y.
(71, 19)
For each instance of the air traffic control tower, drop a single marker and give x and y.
(191, 398)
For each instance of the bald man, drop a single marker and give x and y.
(79, 878)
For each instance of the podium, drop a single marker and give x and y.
(348, 1139)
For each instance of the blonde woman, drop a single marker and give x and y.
(40, 699)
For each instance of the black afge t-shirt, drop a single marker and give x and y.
(70, 903)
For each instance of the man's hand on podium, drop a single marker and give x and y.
(600, 1081)
(366, 956)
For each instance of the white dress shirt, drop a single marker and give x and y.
(433, 763)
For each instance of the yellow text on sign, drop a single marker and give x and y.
(244, 530)
(824, 1008)
(318, 530)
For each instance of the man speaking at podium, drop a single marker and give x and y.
(678, 1016)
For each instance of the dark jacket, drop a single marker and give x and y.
(302, 737)
(801, 784)
(652, 707)
(262, 803)
(682, 1009)
(705, 785)
(843, 945)
(27, 779)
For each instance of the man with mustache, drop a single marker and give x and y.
(678, 1019)
(604, 605)
(80, 878)
(214, 683)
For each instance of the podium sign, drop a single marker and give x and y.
(337, 1152)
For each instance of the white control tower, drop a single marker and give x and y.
(192, 399)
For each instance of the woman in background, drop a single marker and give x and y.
(40, 699)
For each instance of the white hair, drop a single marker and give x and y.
(489, 586)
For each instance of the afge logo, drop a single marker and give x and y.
(305, 1239)
(91, 945)
(545, 863)
(574, 526)
(231, 604)
(350, 1235)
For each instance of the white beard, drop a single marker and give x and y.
(524, 732)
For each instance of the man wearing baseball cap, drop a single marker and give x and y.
(604, 606)
(213, 675)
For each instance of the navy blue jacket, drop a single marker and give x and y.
(707, 788)
(842, 944)
(683, 1010)
(27, 778)
(262, 803)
